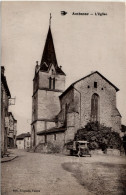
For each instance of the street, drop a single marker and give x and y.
(49, 174)
(38, 174)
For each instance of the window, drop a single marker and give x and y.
(54, 136)
(50, 82)
(45, 138)
(53, 83)
(95, 84)
(95, 108)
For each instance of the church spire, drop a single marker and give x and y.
(50, 20)
(49, 56)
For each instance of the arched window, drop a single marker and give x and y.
(51, 83)
(95, 107)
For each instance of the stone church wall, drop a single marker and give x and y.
(117, 124)
(107, 99)
(57, 139)
(48, 104)
(68, 99)
(43, 125)
(44, 81)
(34, 106)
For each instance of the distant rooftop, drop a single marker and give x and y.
(23, 135)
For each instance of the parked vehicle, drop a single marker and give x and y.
(79, 148)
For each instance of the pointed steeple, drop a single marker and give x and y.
(49, 56)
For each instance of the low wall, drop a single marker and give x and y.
(114, 152)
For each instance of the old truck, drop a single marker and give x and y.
(79, 148)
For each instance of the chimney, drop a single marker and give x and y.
(2, 70)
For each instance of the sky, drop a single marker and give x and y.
(83, 43)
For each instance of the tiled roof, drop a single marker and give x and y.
(23, 135)
(49, 56)
(51, 130)
(72, 85)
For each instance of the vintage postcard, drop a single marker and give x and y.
(63, 116)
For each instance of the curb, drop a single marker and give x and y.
(7, 160)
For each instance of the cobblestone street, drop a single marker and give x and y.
(48, 174)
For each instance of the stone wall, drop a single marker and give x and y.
(56, 140)
(48, 104)
(44, 80)
(20, 144)
(33, 134)
(27, 142)
(35, 106)
(116, 124)
(68, 99)
(107, 100)
(59, 138)
(73, 117)
(4, 113)
(73, 124)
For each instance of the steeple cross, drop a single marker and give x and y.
(50, 20)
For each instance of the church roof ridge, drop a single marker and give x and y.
(72, 85)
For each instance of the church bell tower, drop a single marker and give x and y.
(48, 84)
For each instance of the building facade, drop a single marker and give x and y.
(23, 141)
(58, 114)
(12, 131)
(5, 96)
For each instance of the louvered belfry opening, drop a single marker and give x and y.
(95, 108)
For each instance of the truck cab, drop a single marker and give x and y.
(79, 148)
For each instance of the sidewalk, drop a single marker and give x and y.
(12, 156)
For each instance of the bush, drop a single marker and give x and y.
(99, 137)
(51, 148)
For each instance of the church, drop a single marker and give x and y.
(57, 113)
